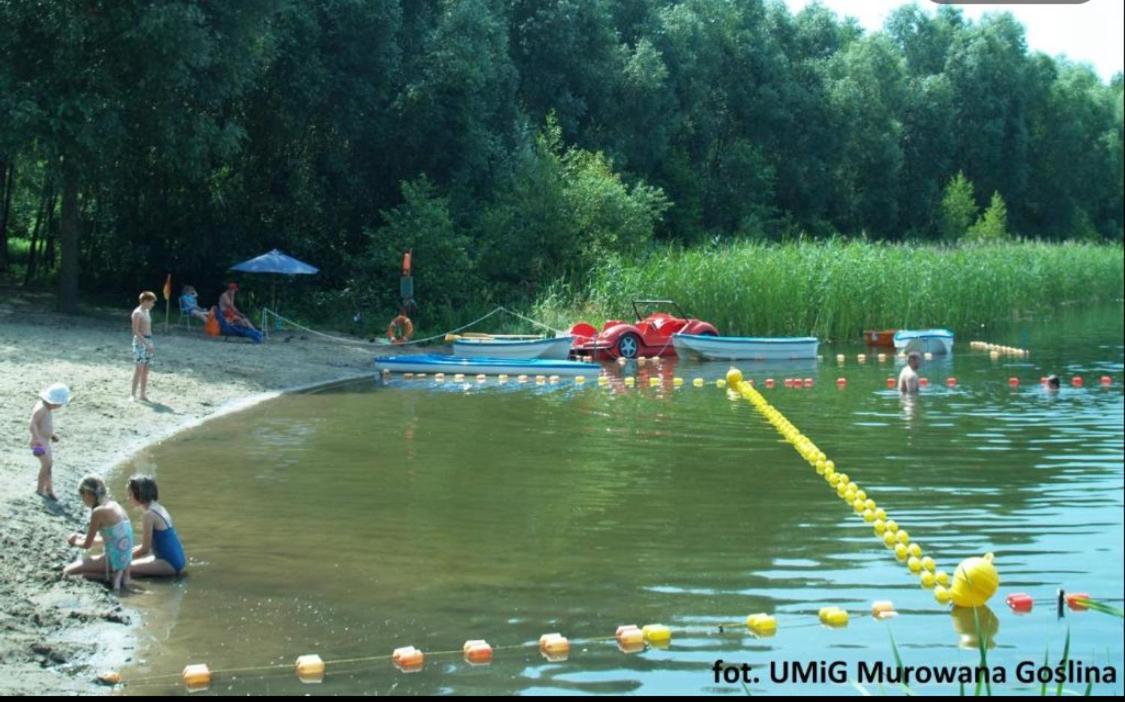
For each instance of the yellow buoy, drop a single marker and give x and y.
(503, 377)
(657, 634)
(900, 552)
(903, 537)
(861, 495)
(914, 550)
(698, 382)
(870, 504)
(761, 624)
(941, 577)
(941, 594)
(913, 564)
(928, 564)
(630, 381)
(928, 579)
(602, 380)
(720, 383)
(653, 382)
(868, 515)
(880, 513)
(892, 525)
(880, 527)
(833, 616)
(522, 378)
(974, 582)
(889, 539)
(734, 376)
(579, 379)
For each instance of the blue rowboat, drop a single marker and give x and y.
(936, 341)
(434, 363)
(557, 348)
(746, 348)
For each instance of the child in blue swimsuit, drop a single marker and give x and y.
(160, 552)
(110, 522)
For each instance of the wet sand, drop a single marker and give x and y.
(57, 634)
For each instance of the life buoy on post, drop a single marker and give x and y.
(400, 330)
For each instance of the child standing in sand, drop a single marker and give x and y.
(43, 433)
(143, 348)
(108, 520)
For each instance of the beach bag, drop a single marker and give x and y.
(211, 326)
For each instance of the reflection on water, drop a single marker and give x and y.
(354, 521)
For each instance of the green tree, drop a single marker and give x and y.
(993, 224)
(958, 208)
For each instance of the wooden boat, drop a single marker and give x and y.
(881, 339)
(748, 348)
(557, 348)
(435, 363)
(935, 341)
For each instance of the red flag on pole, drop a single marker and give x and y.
(168, 287)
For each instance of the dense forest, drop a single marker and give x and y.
(513, 143)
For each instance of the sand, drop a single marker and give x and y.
(57, 634)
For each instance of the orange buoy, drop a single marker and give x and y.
(769, 383)
(1077, 381)
(923, 382)
(1106, 381)
(477, 652)
(400, 330)
(1013, 382)
(891, 383)
(951, 382)
(808, 382)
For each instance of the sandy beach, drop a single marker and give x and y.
(57, 634)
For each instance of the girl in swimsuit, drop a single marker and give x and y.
(110, 522)
(160, 552)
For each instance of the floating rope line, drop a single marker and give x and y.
(887, 529)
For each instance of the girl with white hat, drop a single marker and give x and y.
(43, 433)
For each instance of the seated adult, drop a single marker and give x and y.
(229, 311)
(189, 303)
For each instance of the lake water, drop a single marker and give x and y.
(352, 521)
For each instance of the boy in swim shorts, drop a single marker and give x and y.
(43, 433)
(143, 348)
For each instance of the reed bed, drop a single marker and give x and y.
(835, 289)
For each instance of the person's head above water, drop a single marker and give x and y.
(142, 488)
(914, 359)
(1053, 382)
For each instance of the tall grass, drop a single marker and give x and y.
(835, 289)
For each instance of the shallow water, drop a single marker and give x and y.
(352, 521)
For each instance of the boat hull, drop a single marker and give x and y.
(884, 339)
(432, 363)
(746, 348)
(935, 341)
(556, 349)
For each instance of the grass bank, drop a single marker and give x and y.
(835, 289)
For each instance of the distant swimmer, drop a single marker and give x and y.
(1053, 383)
(908, 378)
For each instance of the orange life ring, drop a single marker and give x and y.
(403, 323)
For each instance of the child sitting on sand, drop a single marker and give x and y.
(160, 552)
(108, 520)
(43, 433)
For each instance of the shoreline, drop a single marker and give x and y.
(60, 633)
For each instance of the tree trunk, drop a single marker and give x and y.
(8, 174)
(46, 206)
(68, 238)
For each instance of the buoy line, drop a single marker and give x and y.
(975, 579)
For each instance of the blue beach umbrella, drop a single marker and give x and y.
(275, 263)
